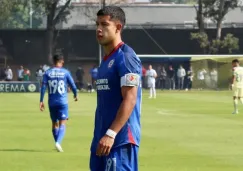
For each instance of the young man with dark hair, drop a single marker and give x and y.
(57, 80)
(237, 84)
(117, 119)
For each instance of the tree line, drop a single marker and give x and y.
(30, 14)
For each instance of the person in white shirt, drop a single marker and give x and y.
(201, 78)
(20, 73)
(214, 78)
(181, 73)
(45, 67)
(151, 74)
(39, 74)
(9, 74)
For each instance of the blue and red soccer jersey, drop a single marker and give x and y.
(57, 81)
(121, 68)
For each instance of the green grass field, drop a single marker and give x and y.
(181, 131)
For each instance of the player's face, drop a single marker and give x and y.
(234, 64)
(107, 29)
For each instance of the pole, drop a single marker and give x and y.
(100, 48)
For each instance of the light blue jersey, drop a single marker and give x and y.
(57, 81)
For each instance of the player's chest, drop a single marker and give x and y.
(107, 76)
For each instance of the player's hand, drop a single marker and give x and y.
(104, 146)
(42, 106)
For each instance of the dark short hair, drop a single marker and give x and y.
(57, 58)
(114, 12)
(235, 61)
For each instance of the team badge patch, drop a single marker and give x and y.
(111, 63)
(132, 79)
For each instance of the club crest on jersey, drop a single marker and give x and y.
(111, 63)
(132, 79)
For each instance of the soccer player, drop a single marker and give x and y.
(151, 74)
(237, 84)
(57, 80)
(117, 119)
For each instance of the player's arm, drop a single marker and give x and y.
(129, 71)
(129, 95)
(71, 83)
(155, 74)
(233, 77)
(42, 92)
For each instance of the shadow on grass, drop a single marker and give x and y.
(24, 150)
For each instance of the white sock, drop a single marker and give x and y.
(150, 92)
(235, 104)
(154, 91)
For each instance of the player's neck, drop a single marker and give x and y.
(58, 66)
(109, 48)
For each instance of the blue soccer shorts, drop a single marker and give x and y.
(123, 158)
(58, 113)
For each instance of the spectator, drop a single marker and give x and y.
(9, 74)
(79, 77)
(93, 73)
(171, 77)
(181, 73)
(163, 77)
(27, 74)
(39, 74)
(2, 74)
(201, 78)
(20, 73)
(45, 67)
(214, 78)
(189, 79)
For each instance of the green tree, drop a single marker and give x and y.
(16, 15)
(215, 10)
(55, 13)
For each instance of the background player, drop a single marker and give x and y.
(151, 74)
(117, 118)
(237, 84)
(57, 79)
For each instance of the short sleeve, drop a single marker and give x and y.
(233, 71)
(130, 69)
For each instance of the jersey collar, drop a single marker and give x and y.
(113, 51)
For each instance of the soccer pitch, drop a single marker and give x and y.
(181, 131)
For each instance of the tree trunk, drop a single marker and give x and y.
(50, 31)
(220, 19)
(219, 29)
(103, 3)
(200, 17)
(49, 44)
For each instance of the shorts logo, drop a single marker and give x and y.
(132, 79)
(111, 63)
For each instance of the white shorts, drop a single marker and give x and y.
(237, 92)
(151, 84)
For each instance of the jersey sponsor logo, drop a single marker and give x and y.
(111, 63)
(56, 74)
(102, 84)
(132, 79)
